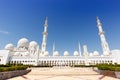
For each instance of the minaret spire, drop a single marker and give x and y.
(99, 26)
(105, 47)
(79, 49)
(53, 48)
(45, 33)
(46, 22)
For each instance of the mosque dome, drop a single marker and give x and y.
(90, 54)
(115, 52)
(46, 53)
(56, 53)
(9, 47)
(96, 53)
(33, 44)
(76, 53)
(23, 43)
(116, 55)
(66, 53)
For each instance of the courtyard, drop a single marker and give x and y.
(63, 73)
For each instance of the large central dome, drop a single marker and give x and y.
(23, 43)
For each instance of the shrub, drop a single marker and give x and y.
(110, 67)
(12, 68)
(103, 67)
(84, 66)
(4, 65)
(117, 68)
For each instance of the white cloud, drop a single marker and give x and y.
(4, 32)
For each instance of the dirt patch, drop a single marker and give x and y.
(108, 73)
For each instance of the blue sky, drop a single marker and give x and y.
(70, 21)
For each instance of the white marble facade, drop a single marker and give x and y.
(30, 53)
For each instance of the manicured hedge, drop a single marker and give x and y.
(4, 65)
(4, 68)
(84, 66)
(110, 67)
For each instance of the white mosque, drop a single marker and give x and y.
(29, 53)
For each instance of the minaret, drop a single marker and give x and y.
(105, 47)
(53, 48)
(44, 41)
(37, 59)
(79, 49)
(85, 51)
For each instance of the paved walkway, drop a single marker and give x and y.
(63, 73)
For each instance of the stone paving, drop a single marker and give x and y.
(63, 73)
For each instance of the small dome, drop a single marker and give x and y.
(66, 53)
(91, 54)
(76, 53)
(96, 53)
(9, 47)
(56, 53)
(46, 53)
(33, 44)
(23, 43)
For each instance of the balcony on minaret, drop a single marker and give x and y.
(100, 33)
(45, 25)
(99, 24)
(45, 33)
(44, 46)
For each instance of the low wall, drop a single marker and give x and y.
(106, 72)
(10, 74)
